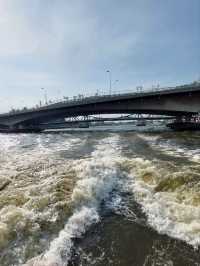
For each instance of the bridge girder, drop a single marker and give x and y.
(180, 103)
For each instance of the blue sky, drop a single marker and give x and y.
(66, 46)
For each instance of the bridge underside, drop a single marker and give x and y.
(76, 121)
(62, 115)
(64, 121)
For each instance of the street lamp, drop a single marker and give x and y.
(110, 90)
(45, 96)
(116, 81)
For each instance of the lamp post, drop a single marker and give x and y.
(45, 95)
(110, 80)
(116, 81)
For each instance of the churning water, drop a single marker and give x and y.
(100, 198)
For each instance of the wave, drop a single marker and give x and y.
(97, 176)
(170, 147)
(170, 200)
(169, 196)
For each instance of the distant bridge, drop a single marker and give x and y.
(176, 102)
(85, 121)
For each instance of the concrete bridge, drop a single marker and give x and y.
(177, 102)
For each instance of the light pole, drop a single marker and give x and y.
(110, 90)
(116, 82)
(45, 95)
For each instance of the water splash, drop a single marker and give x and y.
(97, 176)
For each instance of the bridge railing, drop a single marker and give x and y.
(84, 98)
(87, 98)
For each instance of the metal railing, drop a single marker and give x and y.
(100, 95)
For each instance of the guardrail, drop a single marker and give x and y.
(80, 99)
(87, 98)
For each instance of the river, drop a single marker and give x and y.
(127, 198)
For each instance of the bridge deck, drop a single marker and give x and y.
(106, 98)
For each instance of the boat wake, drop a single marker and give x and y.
(97, 176)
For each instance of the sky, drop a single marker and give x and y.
(66, 47)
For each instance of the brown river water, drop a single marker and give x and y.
(127, 198)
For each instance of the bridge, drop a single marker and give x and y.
(177, 102)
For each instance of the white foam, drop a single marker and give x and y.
(59, 143)
(8, 142)
(171, 148)
(60, 249)
(97, 177)
(165, 213)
